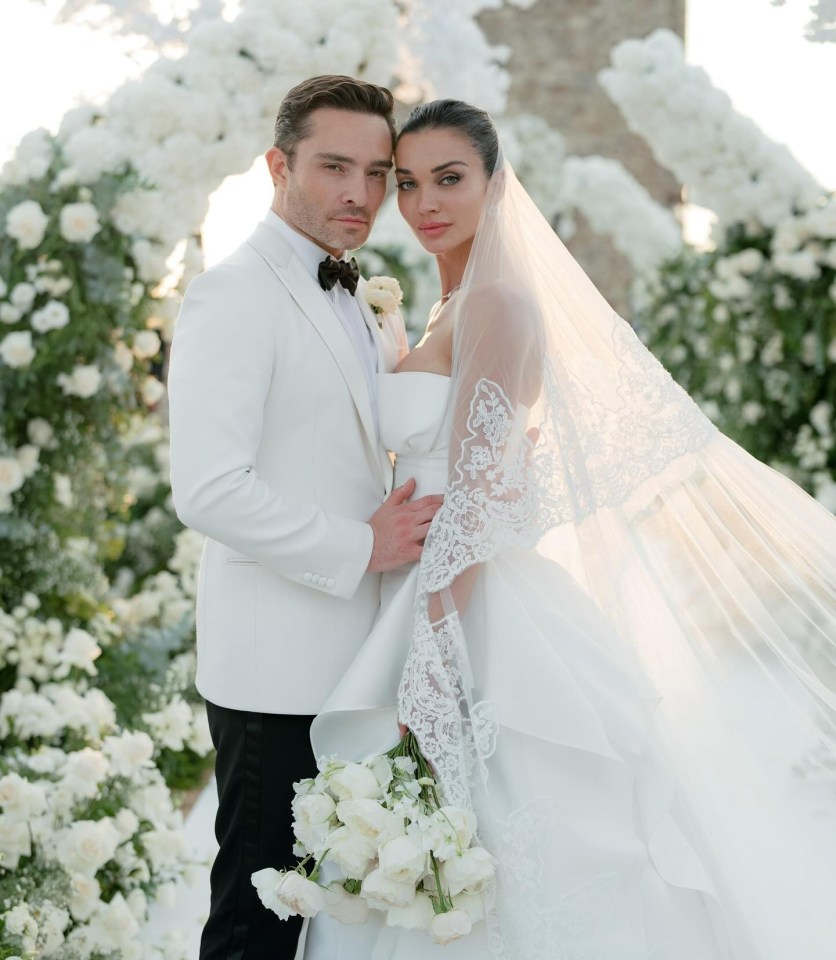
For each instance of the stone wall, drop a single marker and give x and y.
(558, 47)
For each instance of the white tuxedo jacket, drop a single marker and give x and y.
(275, 457)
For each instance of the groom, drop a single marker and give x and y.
(275, 456)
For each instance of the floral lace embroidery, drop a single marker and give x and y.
(433, 702)
(523, 924)
(596, 446)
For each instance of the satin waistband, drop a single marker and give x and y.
(428, 470)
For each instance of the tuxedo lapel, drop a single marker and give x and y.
(302, 287)
(384, 364)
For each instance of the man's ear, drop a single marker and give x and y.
(278, 165)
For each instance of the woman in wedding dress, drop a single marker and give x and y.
(616, 646)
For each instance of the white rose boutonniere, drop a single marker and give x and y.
(383, 295)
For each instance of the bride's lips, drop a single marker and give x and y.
(433, 228)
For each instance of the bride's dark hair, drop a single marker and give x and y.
(474, 123)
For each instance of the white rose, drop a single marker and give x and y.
(300, 895)
(200, 738)
(450, 926)
(172, 725)
(20, 799)
(15, 841)
(8, 313)
(27, 456)
(821, 416)
(40, 432)
(79, 650)
(751, 412)
(83, 382)
(138, 904)
(353, 781)
(368, 819)
(53, 316)
(130, 752)
(348, 908)
(418, 915)
(351, 853)
(23, 296)
(473, 905)
(126, 822)
(113, 925)
(123, 357)
(86, 846)
(152, 391)
(312, 815)
(288, 894)
(469, 870)
(382, 892)
(164, 847)
(266, 883)
(147, 344)
(84, 771)
(84, 896)
(403, 860)
(27, 224)
(63, 489)
(19, 922)
(12, 476)
(16, 349)
(381, 301)
(79, 222)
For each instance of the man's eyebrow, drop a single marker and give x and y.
(441, 166)
(350, 161)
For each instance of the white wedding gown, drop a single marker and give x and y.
(575, 760)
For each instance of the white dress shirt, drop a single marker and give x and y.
(344, 304)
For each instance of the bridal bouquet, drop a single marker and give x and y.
(379, 834)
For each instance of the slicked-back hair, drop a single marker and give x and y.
(474, 123)
(340, 93)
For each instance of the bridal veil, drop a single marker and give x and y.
(571, 443)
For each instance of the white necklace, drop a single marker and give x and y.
(450, 293)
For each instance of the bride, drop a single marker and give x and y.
(618, 646)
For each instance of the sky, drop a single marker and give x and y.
(752, 49)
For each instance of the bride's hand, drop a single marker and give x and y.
(403, 730)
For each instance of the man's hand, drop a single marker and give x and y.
(400, 528)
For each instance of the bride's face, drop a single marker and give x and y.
(441, 186)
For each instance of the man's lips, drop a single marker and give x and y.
(433, 228)
(352, 221)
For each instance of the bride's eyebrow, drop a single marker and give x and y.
(441, 166)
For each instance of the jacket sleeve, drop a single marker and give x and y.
(222, 364)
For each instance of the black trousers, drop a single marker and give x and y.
(259, 756)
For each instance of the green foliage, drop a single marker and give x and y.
(754, 342)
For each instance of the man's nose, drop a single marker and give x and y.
(356, 190)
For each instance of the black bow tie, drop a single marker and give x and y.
(346, 271)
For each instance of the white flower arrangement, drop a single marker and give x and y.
(727, 163)
(381, 827)
(749, 329)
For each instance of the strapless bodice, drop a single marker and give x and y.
(414, 425)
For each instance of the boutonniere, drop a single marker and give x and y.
(383, 295)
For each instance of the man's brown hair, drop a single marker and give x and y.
(337, 92)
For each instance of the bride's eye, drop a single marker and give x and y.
(450, 179)
(406, 184)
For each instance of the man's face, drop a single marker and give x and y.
(337, 181)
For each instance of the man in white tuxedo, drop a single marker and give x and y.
(275, 456)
